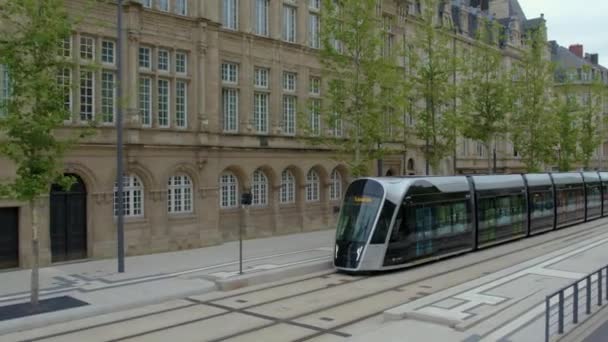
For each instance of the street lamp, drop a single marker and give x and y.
(120, 229)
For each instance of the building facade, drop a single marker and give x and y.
(212, 90)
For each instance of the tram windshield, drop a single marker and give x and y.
(360, 208)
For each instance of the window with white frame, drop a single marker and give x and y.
(108, 98)
(163, 60)
(314, 4)
(65, 47)
(260, 112)
(87, 95)
(260, 20)
(312, 186)
(145, 54)
(181, 104)
(315, 117)
(289, 81)
(315, 86)
(64, 81)
(289, 23)
(230, 73)
(338, 127)
(228, 190)
(314, 27)
(163, 103)
(181, 7)
(480, 149)
(230, 14)
(335, 187)
(288, 187)
(230, 103)
(4, 89)
(289, 115)
(163, 5)
(107, 52)
(259, 188)
(145, 100)
(87, 48)
(181, 62)
(260, 78)
(133, 197)
(464, 147)
(179, 195)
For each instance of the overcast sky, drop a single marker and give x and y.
(570, 22)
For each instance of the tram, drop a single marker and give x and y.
(395, 222)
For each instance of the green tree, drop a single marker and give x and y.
(566, 109)
(359, 66)
(431, 77)
(590, 117)
(485, 94)
(531, 113)
(30, 35)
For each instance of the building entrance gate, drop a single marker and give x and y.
(68, 222)
(9, 237)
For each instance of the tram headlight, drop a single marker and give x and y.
(337, 247)
(359, 250)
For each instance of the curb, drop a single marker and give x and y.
(269, 276)
(62, 316)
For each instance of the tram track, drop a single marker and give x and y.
(587, 233)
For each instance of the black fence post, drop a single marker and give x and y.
(575, 312)
(589, 295)
(547, 314)
(606, 282)
(560, 313)
(599, 287)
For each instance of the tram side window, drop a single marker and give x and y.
(384, 223)
(593, 196)
(542, 204)
(499, 211)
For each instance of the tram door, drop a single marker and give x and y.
(9, 237)
(68, 222)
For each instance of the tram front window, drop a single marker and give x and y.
(360, 208)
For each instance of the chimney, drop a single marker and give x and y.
(592, 57)
(577, 49)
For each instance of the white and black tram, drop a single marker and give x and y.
(393, 222)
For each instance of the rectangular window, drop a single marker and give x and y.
(315, 117)
(107, 52)
(181, 7)
(146, 3)
(108, 102)
(315, 86)
(260, 112)
(230, 73)
(163, 103)
(163, 60)
(87, 48)
(260, 19)
(163, 5)
(87, 91)
(314, 4)
(338, 128)
(181, 62)
(181, 104)
(289, 24)
(230, 101)
(144, 58)
(230, 14)
(289, 115)
(260, 78)
(289, 81)
(4, 88)
(145, 100)
(314, 40)
(64, 80)
(65, 47)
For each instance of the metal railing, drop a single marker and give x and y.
(565, 307)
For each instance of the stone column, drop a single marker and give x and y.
(213, 82)
(245, 95)
(276, 95)
(275, 15)
(131, 66)
(302, 23)
(198, 74)
(245, 14)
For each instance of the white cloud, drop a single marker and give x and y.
(571, 22)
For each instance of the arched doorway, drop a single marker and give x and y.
(68, 221)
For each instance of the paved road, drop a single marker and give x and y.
(336, 307)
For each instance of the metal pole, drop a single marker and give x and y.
(588, 295)
(120, 229)
(599, 287)
(241, 240)
(547, 314)
(606, 283)
(560, 313)
(575, 313)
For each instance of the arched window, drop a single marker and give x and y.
(179, 194)
(228, 190)
(312, 186)
(335, 188)
(133, 198)
(259, 188)
(288, 187)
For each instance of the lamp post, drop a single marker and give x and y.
(120, 231)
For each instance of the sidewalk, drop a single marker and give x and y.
(154, 278)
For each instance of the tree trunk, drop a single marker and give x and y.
(36, 252)
(489, 155)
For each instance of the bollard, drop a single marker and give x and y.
(560, 313)
(588, 295)
(575, 310)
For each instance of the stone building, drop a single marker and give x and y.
(212, 90)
